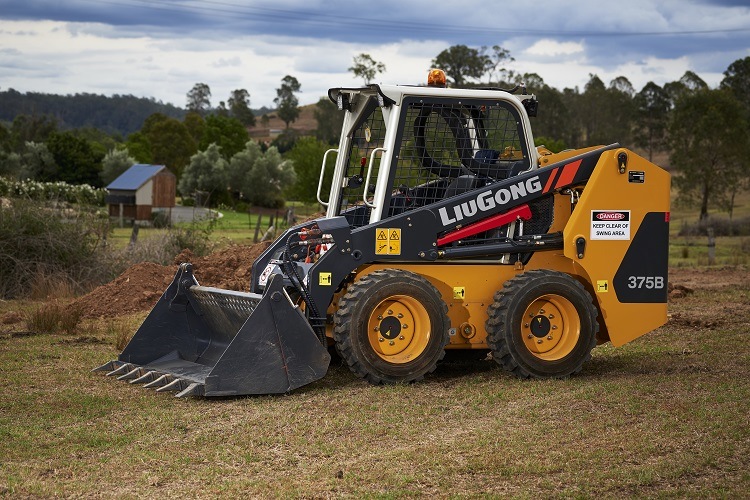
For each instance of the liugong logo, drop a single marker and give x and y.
(487, 200)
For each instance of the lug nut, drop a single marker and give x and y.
(531, 336)
(380, 316)
(391, 342)
(549, 337)
(390, 312)
(554, 327)
(525, 325)
(539, 341)
(405, 326)
(381, 339)
(377, 328)
(541, 311)
(400, 315)
(401, 337)
(551, 316)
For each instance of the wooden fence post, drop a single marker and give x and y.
(257, 230)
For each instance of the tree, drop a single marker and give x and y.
(30, 128)
(239, 107)
(76, 160)
(226, 132)
(38, 163)
(286, 102)
(139, 146)
(199, 98)
(240, 165)
(262, 176)
(553, 121)
(365, 67)
(494, 63)
(206, 174)
(114, 164)
(10, 164)
(5, 145)
(461, 63)
(307, 157)
(689, 83)
(195, 126)
(622, 85)
(171, 144)
(737, 79)
(329, 120)
(708, 138)
(652, 114)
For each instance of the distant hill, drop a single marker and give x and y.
(121, 114)
(118, 114)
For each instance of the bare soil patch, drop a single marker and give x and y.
(141, 285)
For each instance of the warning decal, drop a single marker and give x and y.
(602, 286)
(610, 224)
(388, 241)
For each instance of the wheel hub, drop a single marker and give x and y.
(390, 327)
(550, 327)
(540, 326)
(399, 329)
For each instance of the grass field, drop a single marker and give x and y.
(666, 415)
(231, 226)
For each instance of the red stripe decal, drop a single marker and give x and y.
(549, 181)
(568, 173)
(524, 212)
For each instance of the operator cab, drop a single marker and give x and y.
(405, 147)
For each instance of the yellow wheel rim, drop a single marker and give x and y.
(399, 329)
(550, 327)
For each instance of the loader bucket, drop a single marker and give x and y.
(203, 341)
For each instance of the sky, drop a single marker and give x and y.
(161, 48)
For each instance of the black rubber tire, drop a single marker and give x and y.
(356, 313)
(569, 336)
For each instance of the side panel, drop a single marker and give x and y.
(624, 221)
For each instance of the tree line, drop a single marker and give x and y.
(703, 132)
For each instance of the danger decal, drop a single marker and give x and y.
(610, 224)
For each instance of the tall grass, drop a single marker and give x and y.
(54, 317)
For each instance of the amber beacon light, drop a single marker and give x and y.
(436, 78)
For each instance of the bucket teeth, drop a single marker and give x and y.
(175, 385)
(108, 366)
(121, 370)
(159, 382)
(147, 377)
(133, 374)
(194, 389)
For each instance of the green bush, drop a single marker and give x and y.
(61, 243)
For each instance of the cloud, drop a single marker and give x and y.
(161, 48)
(554, 48)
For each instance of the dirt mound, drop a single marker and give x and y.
(141, 285)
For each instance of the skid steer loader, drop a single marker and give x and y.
(447, 231)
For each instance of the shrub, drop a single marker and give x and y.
(52, 191)
(38, 242)
(721, 227)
